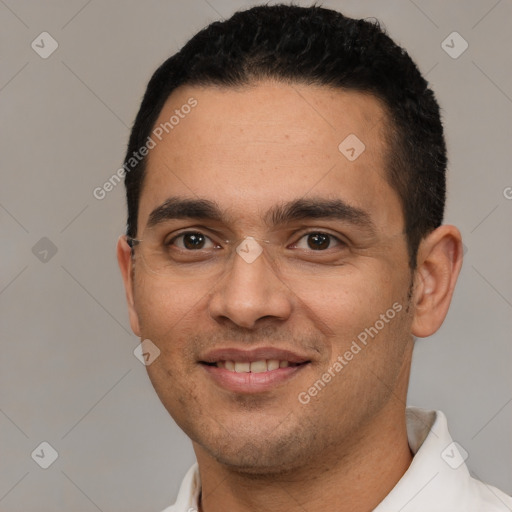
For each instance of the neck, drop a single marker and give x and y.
(355, 478)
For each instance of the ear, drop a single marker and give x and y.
(438, 265)
(124, 258)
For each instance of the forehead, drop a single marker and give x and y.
(251, 147)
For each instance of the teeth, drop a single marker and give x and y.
(254, 367)
(272, 364)
(242, 367)
(259, 366)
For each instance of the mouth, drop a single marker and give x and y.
(252, 371)
(263, 365)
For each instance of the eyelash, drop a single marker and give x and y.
(312, 232)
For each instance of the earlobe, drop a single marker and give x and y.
(439, 264)
(125, 261)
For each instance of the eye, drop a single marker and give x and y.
(192, 240)
(318, 241)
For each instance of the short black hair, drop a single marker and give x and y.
(316, 46)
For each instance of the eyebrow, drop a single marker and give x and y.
(278, 215)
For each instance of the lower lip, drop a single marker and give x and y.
(248, 382)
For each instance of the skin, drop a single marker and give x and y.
(249, 149)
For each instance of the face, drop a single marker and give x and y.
(327, 298)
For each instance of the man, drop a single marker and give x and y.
(285, 181)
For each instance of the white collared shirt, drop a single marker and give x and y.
(437, 480)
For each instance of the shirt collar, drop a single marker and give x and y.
(437, 479)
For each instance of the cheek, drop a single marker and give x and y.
(169, 317)
(164, 307)
(348, 300)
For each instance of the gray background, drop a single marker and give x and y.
(68, 375)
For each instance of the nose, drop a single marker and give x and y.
(249, 291)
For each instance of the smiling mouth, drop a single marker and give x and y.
(264, 365)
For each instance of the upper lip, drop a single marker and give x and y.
(256, 354)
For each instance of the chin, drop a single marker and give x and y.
(255, 465)
(263, 456)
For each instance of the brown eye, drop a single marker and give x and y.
(318, 241)
(191, 241)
